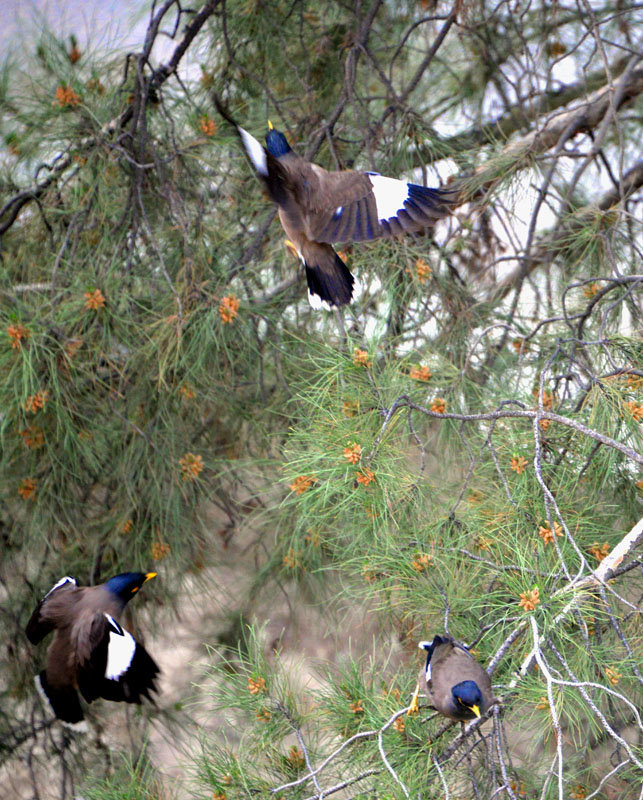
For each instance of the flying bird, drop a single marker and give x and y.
(90, 652)
(456, 685)
(318, 208)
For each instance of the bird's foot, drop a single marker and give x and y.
(290, 246)
(414, 708)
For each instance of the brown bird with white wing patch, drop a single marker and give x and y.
(90, 651)
(318, 208)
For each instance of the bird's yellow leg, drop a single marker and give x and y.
(414, 708)
(290, 246)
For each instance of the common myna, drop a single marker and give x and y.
(317, 208)
(456, 684)
(90, 651)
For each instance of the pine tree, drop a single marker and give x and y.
(458, 451)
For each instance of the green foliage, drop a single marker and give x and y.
(129, 781)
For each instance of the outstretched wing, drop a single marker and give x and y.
(112, 664)
(359, 206)
(47, 613)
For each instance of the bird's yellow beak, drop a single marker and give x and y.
(150, 575)
(270, 125)
(476, 711)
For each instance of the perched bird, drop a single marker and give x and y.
(456, 684)
(317, 208)
(90, 651)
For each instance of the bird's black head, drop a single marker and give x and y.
(125, 585)
(468, 694)
(276, 143)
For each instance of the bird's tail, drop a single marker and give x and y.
(63, 701)
(330, 283)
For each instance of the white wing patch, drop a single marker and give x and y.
(390, 195)
(120, 650)
(61, 582)
(255, 152)
(428, 672)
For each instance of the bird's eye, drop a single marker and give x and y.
(135, 589)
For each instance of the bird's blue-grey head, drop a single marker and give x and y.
(468, 694)
(125, 585)
(276, 143)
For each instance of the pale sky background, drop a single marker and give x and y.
(104, 22)
(105, 25)
(121, 24)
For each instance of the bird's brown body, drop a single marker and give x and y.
(71, 614)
